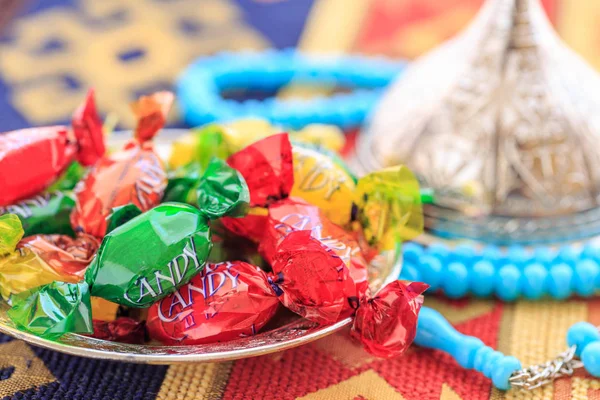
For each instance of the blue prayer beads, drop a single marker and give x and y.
(200, 86)
(586, 338)
(433, 331)
(509, 275)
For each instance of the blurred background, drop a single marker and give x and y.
(51, 51)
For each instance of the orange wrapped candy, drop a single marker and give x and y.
(134, 175)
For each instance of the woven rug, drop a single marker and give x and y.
(333, 368)
(55, 49)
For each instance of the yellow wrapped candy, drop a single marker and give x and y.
(329, 137)
(21, 269)
(387, 202)
(228, 138)
(322, 182)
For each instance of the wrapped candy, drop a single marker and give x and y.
(175, 239)
(44, 213)
(103, 310)
(47, 152)
(314, 282)
(268, 169)
(39, 260)
(135, 175)
(291, 215)
(52, 310)
(222, 140)
(296, 237)
(226, 301)
(387, 202)
(235, 299)
(67, 181)
(66, 255)
(122, 329)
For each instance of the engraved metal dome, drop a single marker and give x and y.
(503, 122)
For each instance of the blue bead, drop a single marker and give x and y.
(569, 255)
(456, 280)
(591, 359)
(412, 252)
(518, 256)
(483, 278)
(440, 251)
(544, 256)
(490, 363)
(465, 355)
(503, 369)
(591, 251)
(559, 281)
(534, 281)
(582, 334)
(463, 253)
(587, 273)
(431, 271)
(410, 272)
(481, 357)
(492, 254)
(508, 285)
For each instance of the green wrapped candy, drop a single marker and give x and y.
(141, 261)
(54, 309)
(69, 178)
(150, 256)
(183, 183)
(47, 213)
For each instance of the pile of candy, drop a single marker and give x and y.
(243, 222)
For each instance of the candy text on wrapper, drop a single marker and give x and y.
(152, 179)
(319, 176)
(212, 281)
(303, 222)
(177, 271)
(22, 209)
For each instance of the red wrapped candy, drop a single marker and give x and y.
(386, 324)
(31, 159)
(225, 301)
(122, 329)
(311, 280)
(270, 179)
(319, 271)
(314, 282)
(294, 214)
(134, 175)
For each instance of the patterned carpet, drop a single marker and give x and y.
(55, 49)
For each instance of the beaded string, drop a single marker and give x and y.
(583, 339)
(200, 87)
(516, 273)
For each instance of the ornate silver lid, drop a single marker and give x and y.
(503, 122)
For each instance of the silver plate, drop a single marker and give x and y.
(284, 334)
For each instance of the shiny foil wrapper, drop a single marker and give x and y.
(134, 175)
(47, 152)
(66, 255)
(46, 213)
(38, 260)
(122, 329)
(225, 301)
